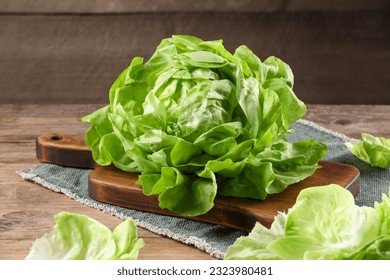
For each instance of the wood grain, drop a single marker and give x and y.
(352, 120)
(27, 210)
(158, 6)
(65, 150)
(337, 57)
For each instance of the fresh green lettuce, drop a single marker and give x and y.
(78, 237)
(373, 150)
(324, 223)
(196, 121)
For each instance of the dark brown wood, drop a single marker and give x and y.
(158, 6)
(110, 185)
(64, 150)
(71, 58)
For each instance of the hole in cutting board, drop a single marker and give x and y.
(56, 138)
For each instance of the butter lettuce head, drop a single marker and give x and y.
(78, 237)
(324, 223)
(196, 121)
(373, 150)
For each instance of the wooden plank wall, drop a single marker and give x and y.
(71, 51)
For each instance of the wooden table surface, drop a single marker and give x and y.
(27, 210)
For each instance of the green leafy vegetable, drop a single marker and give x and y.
(324, 223)
(373, 150)
(77, 237)
(197, 121)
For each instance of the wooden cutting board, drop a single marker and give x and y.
(113, 186)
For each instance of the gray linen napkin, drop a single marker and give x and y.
(213, 239)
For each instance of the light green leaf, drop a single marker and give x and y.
(203, 59)
(254, 246)
(324, 223)
(373, 150)
(78, 237)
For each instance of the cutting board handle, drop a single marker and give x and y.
(65, 150)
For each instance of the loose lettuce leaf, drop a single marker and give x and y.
(254, 246)
(78, 237)
(373, 150)
(324, 223)
(196, 120)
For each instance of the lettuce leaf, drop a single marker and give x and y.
(373, 150)
(78, 237)
(196, 121)
(324, 223)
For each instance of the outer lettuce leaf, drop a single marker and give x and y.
(199, 121)
(373, 150)
(173, 188)
(324, 223)
(78, 237)
(270, 171)
(254, 246)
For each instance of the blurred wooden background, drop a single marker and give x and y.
(71, 51)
